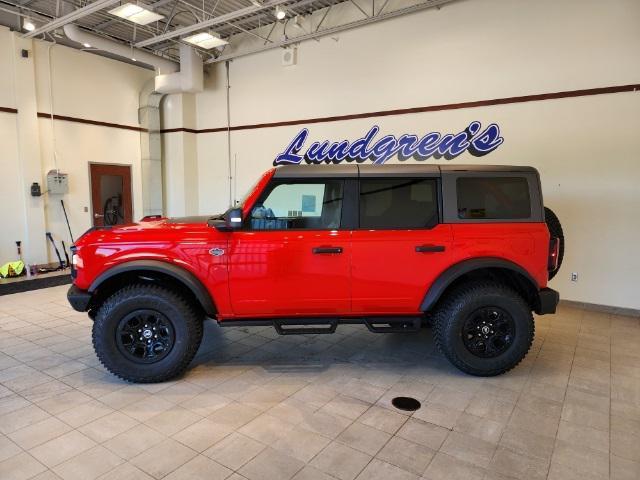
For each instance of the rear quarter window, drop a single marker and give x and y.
(493, 198)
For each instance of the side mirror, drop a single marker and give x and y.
(231, 220)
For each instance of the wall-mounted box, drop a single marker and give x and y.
(57, 182)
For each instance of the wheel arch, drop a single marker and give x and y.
(152, 271)
(482, 268)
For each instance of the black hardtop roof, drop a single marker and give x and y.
(390, 170)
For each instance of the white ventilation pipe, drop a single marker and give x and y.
(190, 77)
(162, 65)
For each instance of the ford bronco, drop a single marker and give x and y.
(468, 249)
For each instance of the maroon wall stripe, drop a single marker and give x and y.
(91, 122)
(431, 108)
(382, 113)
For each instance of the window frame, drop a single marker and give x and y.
(346, 215)
(450, 196)
(438, 199)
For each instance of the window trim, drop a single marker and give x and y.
(438, 198)
(274, 182)
(450, 196)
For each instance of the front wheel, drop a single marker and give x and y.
(484, 329)
(146, 333)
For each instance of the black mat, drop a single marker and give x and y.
(36, 283)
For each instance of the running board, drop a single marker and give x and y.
(319, 326)
(301, 327)
(394, 325)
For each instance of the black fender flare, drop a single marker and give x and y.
(188, 279)
(454, 272)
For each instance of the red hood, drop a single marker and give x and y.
(149, 229)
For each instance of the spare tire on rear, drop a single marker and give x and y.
(555, 229)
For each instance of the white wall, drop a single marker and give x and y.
(585, 147)
(84, 86)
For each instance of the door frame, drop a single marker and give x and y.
(99, 164)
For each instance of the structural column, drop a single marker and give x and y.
(34, 241)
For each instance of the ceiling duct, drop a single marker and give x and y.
(161, 65)
(190, 77)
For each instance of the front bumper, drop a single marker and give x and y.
(79, 299)
(547, 301)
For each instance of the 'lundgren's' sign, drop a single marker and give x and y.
(473, 139)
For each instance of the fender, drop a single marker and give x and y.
(184, 276)
(454, 272)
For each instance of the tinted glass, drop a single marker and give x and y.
(398, 203)
(493, 198)
(296, 205)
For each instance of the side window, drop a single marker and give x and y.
(300, 205)
(493, 198)
(398, 203)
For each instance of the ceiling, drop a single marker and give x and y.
(177, 14)
(230, 19)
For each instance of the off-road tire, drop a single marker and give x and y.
(555, 229)
(453, 312)
(187, 325)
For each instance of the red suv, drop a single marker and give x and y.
(465, 248)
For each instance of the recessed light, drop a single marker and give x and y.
(28, 25)
(86, 45)
(136, 13)
(205, 40)
(280, 13)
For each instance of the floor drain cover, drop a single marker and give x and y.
(406, 403)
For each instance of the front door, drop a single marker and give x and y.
(292, 258)
(110, 194)
(399, 248)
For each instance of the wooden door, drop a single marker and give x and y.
(110, 194)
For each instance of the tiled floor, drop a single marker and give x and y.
(258, 406)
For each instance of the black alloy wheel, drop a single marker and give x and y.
(488, 332)
(145, 336)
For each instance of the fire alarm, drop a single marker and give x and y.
(289, 56)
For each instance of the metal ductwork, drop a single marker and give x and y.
(161, 65)
(190, 77)
(151, 150)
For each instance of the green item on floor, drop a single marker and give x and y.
(12, 269)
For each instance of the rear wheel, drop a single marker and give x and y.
(146, 333)
(484, 329)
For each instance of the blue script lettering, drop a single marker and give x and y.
(472, 139)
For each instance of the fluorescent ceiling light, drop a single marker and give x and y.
(28, 25)
(136, 13)
(205, 40)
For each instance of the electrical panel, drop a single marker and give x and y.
(57, 182)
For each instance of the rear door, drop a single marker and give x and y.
(292, 257)
(400, 246)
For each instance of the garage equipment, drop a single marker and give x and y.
(50, 237)
(67, 220)
(66, 255)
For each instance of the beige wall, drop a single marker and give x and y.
(585, 148)
(84, 86)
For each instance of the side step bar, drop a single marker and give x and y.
(302, 326)
(394, 325)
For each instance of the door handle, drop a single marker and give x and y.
(97, 215)
(429, 248)
(320, 250)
